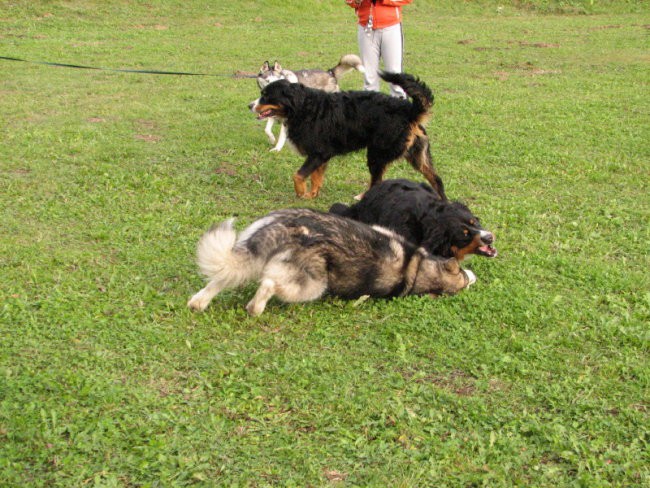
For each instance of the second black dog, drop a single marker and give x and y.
(415, 211)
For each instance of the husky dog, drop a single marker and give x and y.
(300, 254)
(314, 78)
(323, 125)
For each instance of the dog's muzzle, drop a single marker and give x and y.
(253, 104)
(487, 249)
(470, 276)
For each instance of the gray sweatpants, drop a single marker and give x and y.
(387, 45)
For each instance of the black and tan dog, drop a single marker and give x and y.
(299, 255)
(323, 125)
(314, 78)
(417, 213)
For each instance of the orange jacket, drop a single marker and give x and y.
(384, 12)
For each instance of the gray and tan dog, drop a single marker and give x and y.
(326, 80)
(299, 254)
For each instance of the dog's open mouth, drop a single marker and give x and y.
(265, 114)
(488, 251)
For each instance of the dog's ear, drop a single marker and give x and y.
(277, 67)
(436, 240)
(341, 209)
(290, 95)
(265, 67)
(451, 265)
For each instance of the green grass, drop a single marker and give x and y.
(536, 376)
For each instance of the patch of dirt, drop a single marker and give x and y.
(148, 137)
(226, 169)
(146, 124)
(542, 45)
(456, 381)
(525, 68)
(333, 475)
(155, 27)
(603, 27)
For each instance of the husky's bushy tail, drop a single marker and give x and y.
(414, 88)
(219, 258)
(347, 63)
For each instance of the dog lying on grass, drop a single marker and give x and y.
(323, 125)
(299, 255)
(417, 213)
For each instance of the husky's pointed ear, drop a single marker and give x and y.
(265, 66)
(277, 67)
(451, 265)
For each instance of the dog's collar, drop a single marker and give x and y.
(419, 256)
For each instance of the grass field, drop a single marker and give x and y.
(538, 375)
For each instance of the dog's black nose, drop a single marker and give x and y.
(487, 237)
(251, 105)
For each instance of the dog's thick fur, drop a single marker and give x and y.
(314, 78)
(299, 254)
(416, 212)
(323, 125)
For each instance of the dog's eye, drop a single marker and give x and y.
(466, 232)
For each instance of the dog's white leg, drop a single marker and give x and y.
(282, 138)
(202, 299)
(264, 293)
(268, 131)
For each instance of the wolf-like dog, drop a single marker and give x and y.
(326, 80)
(299, 255)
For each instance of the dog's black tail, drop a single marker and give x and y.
(414, 88)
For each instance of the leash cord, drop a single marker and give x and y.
(145, 71)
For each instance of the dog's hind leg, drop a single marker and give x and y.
(313, 163)
(294, 277)
(418, 155)
(202, 299)
(317, 178)
(264, 293)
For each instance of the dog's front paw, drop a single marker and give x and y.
(199, 302)
(254, 309)
(275, 149)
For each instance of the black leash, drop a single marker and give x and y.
(145, 71)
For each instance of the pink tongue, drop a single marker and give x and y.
(489, 250)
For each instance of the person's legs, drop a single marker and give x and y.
(392, 48)
(369, 46)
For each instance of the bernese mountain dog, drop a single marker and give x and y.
(322, 125)
(418, 213)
